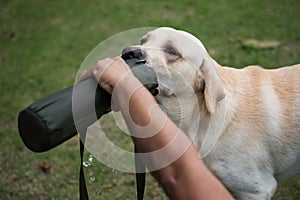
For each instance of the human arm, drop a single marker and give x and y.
(184, 177)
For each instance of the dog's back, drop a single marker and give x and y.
(286, 82)
(269, 101)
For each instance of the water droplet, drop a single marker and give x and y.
(90, 159)
(92, 178)
(98, 192)
(86, 163)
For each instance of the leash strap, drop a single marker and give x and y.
(83, 194)
(139, 177)
(139, 166)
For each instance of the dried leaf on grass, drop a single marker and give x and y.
(45, 167)
(260, 44)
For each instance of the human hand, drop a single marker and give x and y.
(107, 72)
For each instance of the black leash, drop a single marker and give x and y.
(83, 194)
(139, 166)
(140, 176)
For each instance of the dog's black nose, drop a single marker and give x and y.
(133, 52)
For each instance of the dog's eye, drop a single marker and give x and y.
(170, 50)
(144, 40)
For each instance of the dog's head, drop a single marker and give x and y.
(184, 70)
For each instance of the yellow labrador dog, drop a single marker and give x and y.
(245, 122)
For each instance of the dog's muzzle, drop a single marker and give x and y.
(133, 52)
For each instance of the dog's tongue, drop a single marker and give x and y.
(144, 73)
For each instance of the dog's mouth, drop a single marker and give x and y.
(136, 58)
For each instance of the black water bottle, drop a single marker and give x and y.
(49, 122)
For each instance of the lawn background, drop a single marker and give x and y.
(42, 44)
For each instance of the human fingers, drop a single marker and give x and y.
(99, 66)
(84, 75)
(109, 71)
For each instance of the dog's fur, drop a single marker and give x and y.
(245, 122)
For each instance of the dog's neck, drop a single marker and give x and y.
(209, 127)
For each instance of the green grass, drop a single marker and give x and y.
(42, 44)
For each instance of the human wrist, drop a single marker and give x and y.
(124, 88)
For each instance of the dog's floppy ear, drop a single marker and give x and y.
(212, 86)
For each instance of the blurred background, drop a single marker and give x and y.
(43, 43)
